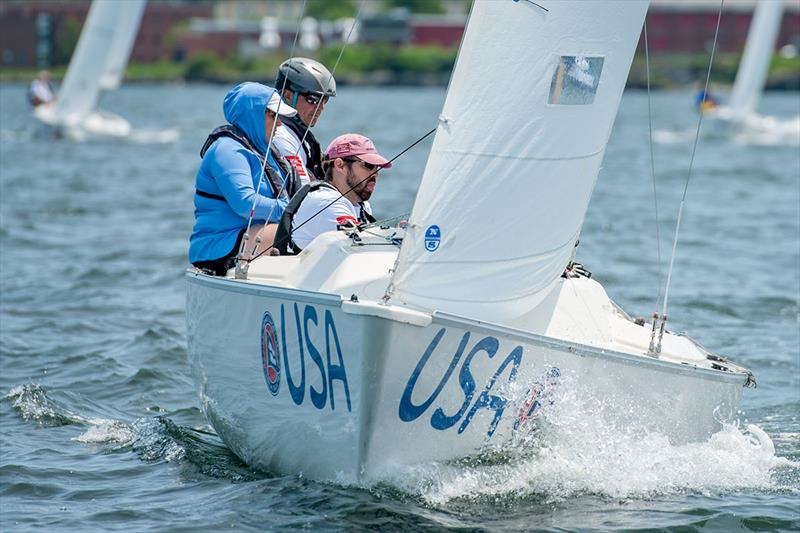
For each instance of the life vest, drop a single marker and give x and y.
(283, 236)
(310, 145)
(276, 181)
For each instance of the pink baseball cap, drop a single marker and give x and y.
(355, 145)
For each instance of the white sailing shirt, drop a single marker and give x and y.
(340, 211)
(288, 144)
(41, 92)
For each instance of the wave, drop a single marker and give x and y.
(572, 453)
(567, 454)
(154, 439)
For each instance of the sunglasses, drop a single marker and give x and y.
(368, 166)
(314, 99)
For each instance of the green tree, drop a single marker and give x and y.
(433, 7)
(66, 39)
(330, 9)
(202, 67)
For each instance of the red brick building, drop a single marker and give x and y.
(38, 32)
(31, 31)
(686, 29)
(672, 27)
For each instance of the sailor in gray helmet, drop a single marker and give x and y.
(307, 85)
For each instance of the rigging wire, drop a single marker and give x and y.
(305, 134)
(688, 178)
(653, 166)
(250, 218)
(341, 195)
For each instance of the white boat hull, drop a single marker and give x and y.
(96, 124)
(752, 128)
(344, 391)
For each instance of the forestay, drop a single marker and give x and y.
(129, 14)
(525, 124)
(752, 72)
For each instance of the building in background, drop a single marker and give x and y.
(38, 33)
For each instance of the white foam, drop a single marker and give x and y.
(756, 131)
(623, 468)
(31, 401)
(105, 431)
(153, 136)
(574, 452)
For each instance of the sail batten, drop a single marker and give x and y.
(528, 114)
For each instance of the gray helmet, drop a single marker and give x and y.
(305, 76)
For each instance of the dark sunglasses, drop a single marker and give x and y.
(368, 166)
(314, 99)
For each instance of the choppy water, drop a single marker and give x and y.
(99, 420)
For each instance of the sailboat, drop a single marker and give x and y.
(97, 65)
(444, 338)
(741, 113)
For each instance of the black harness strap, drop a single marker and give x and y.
(204, 194)
(274, 177)
(364, 216)
(283, 235)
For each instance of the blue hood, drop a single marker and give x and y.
(244, 107)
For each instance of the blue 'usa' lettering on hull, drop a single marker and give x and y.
(327, 368)
(487, 347)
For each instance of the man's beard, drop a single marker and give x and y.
(359, 185)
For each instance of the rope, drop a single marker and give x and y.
(688, 176)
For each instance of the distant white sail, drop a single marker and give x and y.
(752, 72)
(129, 15)
(93, 56)
(516, 154)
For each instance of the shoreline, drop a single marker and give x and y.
(667, 72)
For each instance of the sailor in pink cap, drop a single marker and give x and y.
(351, 166)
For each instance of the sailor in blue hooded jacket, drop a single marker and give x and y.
(225, 186)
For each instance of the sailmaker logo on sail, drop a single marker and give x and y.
(433, 236)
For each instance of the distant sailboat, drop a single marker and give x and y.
(751, 77)
(98, 64)
(752, 74)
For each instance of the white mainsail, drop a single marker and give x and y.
(92, 57)
(516, 154)
(129, 15)
(752, 72)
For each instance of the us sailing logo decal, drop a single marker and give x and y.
(433, 236)
(270, 356)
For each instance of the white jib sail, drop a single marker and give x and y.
(129, 15)
(79, 92)
(752, 72)
(527, 116)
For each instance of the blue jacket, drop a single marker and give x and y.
(231, 171)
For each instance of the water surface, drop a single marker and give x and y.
(99, 419)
